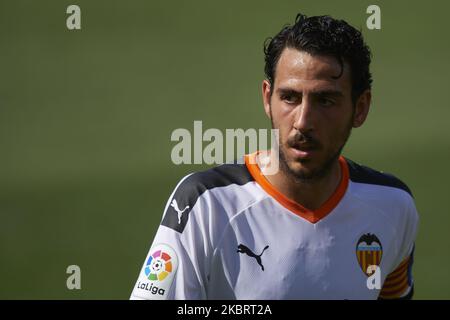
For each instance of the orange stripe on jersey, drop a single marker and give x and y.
(404, 263)
(399, 272)
(312, 216)
(396, 282)
(391, 280)
(395, 291)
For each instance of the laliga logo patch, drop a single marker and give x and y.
(159, 265)
(158, 273)
(369, 252)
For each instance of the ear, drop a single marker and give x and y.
(362, 108)
(266, 96)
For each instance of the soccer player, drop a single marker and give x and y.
(323, 226)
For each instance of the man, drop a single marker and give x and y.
(322, 227)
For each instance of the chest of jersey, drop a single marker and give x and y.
(271, 253)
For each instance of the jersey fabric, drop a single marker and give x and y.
(227, 233)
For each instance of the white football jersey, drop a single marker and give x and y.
(227, 233)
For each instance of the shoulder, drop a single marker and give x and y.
(194, 187)
(389, 196)
(365, 175)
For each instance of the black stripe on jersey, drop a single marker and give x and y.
(195, 185)
(363, 174)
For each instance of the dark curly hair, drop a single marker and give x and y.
(323, 35)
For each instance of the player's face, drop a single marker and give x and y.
(312, 108)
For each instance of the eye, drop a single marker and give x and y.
(289, 98)
(326, 102)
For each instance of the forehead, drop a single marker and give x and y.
(302, 71)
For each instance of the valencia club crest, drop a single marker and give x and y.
(369, 252)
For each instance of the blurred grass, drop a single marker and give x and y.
(86, 118)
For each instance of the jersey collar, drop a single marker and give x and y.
(312, 216)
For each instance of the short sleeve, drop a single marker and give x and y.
(173, 267)
(399, 284)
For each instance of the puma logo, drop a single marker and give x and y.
(244, 249)
(174, 205)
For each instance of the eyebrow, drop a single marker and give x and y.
(330, 92)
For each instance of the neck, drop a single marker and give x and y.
(311, 194)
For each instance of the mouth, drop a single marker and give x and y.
(303, 152)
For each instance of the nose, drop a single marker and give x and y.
(304, 121)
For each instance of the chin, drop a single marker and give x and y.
(303, 170)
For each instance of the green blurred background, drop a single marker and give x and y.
(86, 118)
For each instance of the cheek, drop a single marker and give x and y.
(280, 115)
(337, 129)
